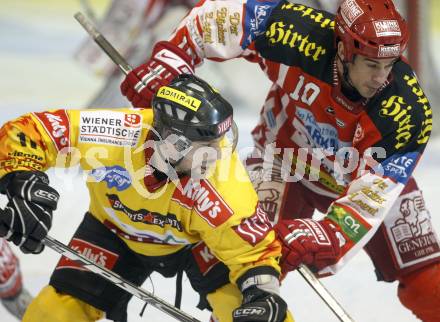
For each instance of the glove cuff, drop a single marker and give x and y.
(7, 178)
(333, 230)
(265, 278)
(177, 51)
(4, 182)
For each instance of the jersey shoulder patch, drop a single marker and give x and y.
(257, 13)
(57, 125)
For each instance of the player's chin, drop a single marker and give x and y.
(368, 92)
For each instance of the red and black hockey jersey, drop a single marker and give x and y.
(359, 154)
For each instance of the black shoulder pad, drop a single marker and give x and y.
(402, 109)
(297, 35)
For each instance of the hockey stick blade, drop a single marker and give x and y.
(324, 294)
(103, 42)
(114, 278)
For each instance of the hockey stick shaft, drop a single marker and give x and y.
(117, 280)
(85, 4)
(103, 43)
(324, 294)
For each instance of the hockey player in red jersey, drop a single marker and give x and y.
(164, 185)
(14, 297)
(341, 131)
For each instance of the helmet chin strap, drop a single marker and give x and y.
(171, 161)
(162, 163)
(347, 86)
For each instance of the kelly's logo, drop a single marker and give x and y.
(204, 258)
(205, 200)
(57, 125)
(96, 254)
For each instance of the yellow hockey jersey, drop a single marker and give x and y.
(152, 217)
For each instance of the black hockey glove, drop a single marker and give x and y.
(260, 299)
(27, 217)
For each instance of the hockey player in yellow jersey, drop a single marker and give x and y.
(164, 189)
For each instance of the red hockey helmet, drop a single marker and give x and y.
(372, 28)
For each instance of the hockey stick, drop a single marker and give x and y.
(88, 9)
(324, 294)
(103, 43)
(117, 280)
(310, 278)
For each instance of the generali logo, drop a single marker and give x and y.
(204, 199)
(350, 11)
(412, 232)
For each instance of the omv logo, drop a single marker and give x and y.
(115, 176)
(257, 13)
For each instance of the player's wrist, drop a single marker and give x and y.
(263, 277)
(177, 58)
